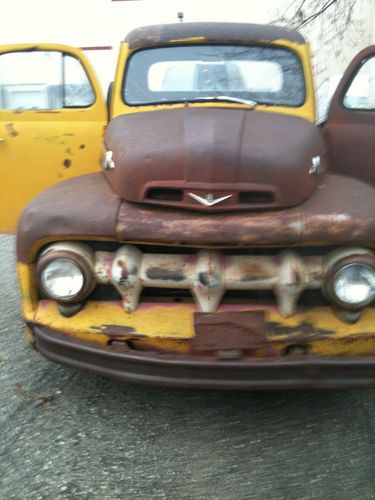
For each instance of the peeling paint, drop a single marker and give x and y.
(11, 130)
(191, 39)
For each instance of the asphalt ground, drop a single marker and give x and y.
(67, 434)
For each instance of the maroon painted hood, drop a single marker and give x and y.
(256, 159)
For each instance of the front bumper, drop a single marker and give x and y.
(179, 370)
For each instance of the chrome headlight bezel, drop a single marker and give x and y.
(80, 256)
(366, 261)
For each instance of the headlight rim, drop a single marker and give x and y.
(365, 259)
(83, 265)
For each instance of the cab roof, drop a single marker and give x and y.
(163, 34)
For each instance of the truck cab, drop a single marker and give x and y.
(209, 233)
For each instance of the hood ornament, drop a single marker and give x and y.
(315, 166)
(107, 160)
(208, 200)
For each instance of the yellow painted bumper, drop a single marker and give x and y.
(170, 327)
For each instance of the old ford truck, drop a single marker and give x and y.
(210, 234)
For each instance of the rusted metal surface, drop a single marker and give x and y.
(350, 132)
(84, 206)
(209, 32)
(341, 211)
(209, 274)
(169, 327)
(200, 371)
(246, 156)
(229, 335)
(117, 331)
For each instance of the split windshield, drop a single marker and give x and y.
(265, 75)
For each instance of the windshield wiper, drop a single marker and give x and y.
(227, 98)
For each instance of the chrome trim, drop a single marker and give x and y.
(208, 200)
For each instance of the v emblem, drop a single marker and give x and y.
(208, 200)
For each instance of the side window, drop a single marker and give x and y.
(361, 92)
(43, 80)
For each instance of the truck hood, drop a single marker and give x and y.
(210, 158)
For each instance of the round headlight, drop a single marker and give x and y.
(66, 272)
(354, 285)
(62, 279)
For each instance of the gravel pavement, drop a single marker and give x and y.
(68, 435)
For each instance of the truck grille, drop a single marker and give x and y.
(209, 274)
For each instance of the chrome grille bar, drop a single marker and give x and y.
(208, 274)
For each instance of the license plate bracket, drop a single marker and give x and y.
(232, 331)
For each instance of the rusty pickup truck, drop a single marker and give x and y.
(198, 229)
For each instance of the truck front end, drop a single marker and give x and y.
(215, 249)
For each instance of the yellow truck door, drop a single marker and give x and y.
(52, 120)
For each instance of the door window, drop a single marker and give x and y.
(361, 92)
(43, 80)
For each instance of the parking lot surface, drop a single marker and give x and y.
(67, 434)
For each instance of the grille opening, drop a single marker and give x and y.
(105, 292)
(164, 194)
(250, 297)
(313, 298)
(172, 295)
(256, 197)
(309, 298)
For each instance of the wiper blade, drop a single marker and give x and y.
(227, 98)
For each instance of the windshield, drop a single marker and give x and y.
(265, 75)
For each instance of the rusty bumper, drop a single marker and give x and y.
(202, 372)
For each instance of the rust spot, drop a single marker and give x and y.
(67, 163)
(82, 146)
(231, 331)
(304, 331)
(124, 272)
(118, 331)
(68, 151)
(11, 130)
(250, 277)
(208, 280)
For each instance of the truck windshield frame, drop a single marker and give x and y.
(268, 75)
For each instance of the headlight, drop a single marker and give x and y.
(350, 283)
(62, 279)
(354, 285)
(65, 272)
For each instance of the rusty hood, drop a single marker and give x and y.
(209, 158)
